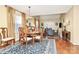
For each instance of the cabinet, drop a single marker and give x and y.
(66, 35)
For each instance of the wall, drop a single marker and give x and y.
(3, 16)
(50, 24)
(76, 25)
(50, 21)
(68, 20)
(68, 17)
(73, 17)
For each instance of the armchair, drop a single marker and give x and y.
(4, 37)
(23, 38)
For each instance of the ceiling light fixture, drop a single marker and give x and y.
(29, 18)
(29, 12)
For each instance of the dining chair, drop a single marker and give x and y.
(23, 38)
(5, 38)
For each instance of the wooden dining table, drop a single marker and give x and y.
(33, 35)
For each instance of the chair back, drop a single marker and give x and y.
(21, 32)
(4, 32)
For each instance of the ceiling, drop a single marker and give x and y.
(36, 10)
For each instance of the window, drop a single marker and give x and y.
(18, 23)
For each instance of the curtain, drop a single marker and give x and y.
(11, 22)
(23, 19)
(38, 23)
(35, 22)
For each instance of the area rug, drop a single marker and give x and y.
(44, 47)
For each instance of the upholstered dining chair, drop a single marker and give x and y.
(4, 36)
(23, 38)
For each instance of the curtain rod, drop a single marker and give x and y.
(14, 9)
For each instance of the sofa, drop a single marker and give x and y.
(49, 31)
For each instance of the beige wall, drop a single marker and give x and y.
(50, 24)
(3, 16)
(69, 17)
(50, 21)
(76, 25)
(73, 17)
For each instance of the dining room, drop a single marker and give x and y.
(32, 29)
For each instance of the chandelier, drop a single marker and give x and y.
(29, 17)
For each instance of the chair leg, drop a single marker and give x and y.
(22, 41)
(41, 39)
(26, 42)
(33, 40)
(13, 41)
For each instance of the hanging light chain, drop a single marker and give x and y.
(29, 10)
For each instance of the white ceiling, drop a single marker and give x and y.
(43, 9)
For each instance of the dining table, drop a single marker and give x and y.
(33, 35)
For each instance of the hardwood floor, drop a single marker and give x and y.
(65, 47)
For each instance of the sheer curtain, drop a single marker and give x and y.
(18, 23)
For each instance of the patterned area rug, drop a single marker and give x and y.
(45, 47)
